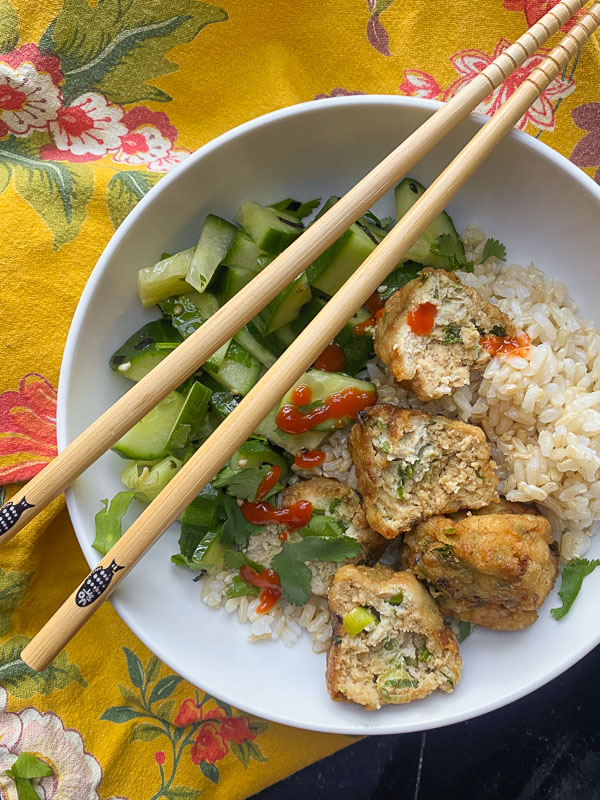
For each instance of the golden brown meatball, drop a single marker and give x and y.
(436, 361)
(403, 653)
(493, 569)
(411, 465)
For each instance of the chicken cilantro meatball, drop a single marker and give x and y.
(336, 511)
(430, 333)
(411, 465)
(493, 568)
(390, 644)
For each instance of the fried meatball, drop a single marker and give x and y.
(335, 501)
(434, 362)
(493, 569)
(411, 465)
(405, 651)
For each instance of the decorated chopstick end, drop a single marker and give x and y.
(11, 513)
(96, 583)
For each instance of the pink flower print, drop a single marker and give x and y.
(169, 161)
(29, 93)
(469, 63)
(338, 92)
(148, 141)
(89, 128)
(419, 84)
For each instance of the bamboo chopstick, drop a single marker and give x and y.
(187, 358)
(275, 383)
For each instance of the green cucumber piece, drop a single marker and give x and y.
(406, 194)
(231, 280)
(149, 438)
(254, 347)
(341, 259)
(213, 245)
(165, 278)
(307, 313)
(322, 385)
(285, 307)
(239, 370)
(357, 349)
(209, 553)
(294, 208)
(145, 349)
(188, 312)
(222, 402)
(188, 425)
(243, 253)
(150, 479)
(270, 229)
(292, 442)
(399, 278)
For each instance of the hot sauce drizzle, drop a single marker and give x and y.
(361, 328)
(420, 319)
(301, 395)
(332, 359)
(307, 459)
(268, 482)
(294, 516)
(267, 580)
(507, 345)
(346, 403)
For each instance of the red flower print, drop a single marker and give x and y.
(43, 62)
(27, 428)
(209, 745)
(188, 713)
(587, 150)
(535, 10)
(29, 93)
(469, 63)
(149, 140)
(419, 84)
(236, 729)
(160, 757)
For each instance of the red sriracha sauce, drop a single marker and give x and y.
(268, 482)
(294, 516)
(507, 345)
(332, 359)
(308, 459)
(362, 327)
(346, 403)
(374, 303)
(267, 580)
(420, 319)
(302, 395)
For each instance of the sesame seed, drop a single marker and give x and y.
(124, 367)
(177, 309)
(242, 462)
(381, 289)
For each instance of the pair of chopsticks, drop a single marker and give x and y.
(219, 447)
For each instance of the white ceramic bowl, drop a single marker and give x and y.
(526, 195)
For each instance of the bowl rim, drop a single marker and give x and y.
(524, 140)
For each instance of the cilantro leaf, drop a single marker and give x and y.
(234, 559)
(320, 525)
(108, 521)
(572, 578)
(494, 248)
(238, 588)
(464, 629)
(26, 767)
(294, 574)
(236, 529)
(244, 483)
(450, 247)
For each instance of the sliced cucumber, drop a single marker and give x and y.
(188, 424)
(148, 439)
(150, 479)
(295, 208)
(271, 230)
(406, 194)
(323, 385)
(285, 307)
(213, 245)
(244, 253)
(188, 312)
(399, 278)
(357, 348)
(239, 370)
(209, 553)
(341, 259)
(254, 347)
(165, 278)
(292, 442)
(231, 281)
(307, 314)
(145, 349)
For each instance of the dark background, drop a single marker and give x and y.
(543, 747)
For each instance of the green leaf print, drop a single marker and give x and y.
(21, 681)
(121, 714)
(125, 190)
(152, 668)
(59, 192)
(182, 793)
(134, 667)
(13, 586)
(116, 47)
(9, 27)
(145, 732)
(165, 687)
(210, 771)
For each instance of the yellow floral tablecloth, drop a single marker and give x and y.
(98, 100)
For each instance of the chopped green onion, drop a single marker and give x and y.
(358, 619)
(396, 599)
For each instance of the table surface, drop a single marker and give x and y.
(543, 747)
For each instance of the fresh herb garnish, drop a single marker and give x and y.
(335, 503)
(424, 655)
(494, 248)
(236, 529)
(244, 483)
(405, 471)
(498, 330)
(448, 246)
(572, 577)
(108, 521)
(290, 564)
(451, 335)
(25, 768)
(320, 525)
(234, 559)
(238, 588)
(445, 551)
(464, 629)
